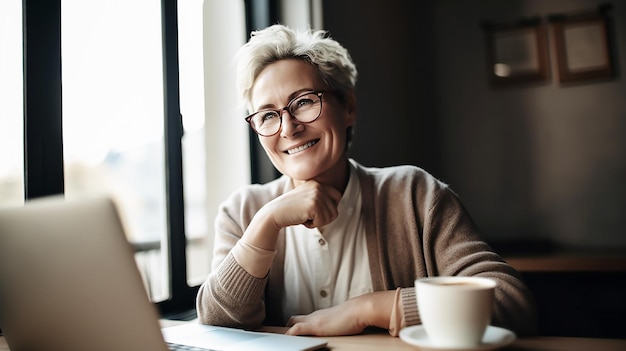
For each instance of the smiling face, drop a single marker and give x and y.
(315, 150)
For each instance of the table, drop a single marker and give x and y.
(383, 341)
(386, 342)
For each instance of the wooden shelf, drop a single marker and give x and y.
(569, 262)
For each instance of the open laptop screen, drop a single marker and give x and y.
(68, 279)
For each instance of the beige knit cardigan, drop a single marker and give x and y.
(415, 225)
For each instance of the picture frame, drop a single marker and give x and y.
(582, 47)
(517, 52)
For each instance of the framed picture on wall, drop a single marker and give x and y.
(516, 53)
(582, 47)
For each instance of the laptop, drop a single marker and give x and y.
(69, 281)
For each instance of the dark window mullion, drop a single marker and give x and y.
(182, 297)
(260, 14)
(43, 123)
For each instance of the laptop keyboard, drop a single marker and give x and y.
(179, 347)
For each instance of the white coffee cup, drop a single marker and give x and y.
(455, 311)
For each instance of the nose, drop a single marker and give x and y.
(290, 125)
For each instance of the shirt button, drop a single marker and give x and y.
(323, 293)
(350, 211)
(322, 242)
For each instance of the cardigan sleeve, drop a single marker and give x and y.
(404, 311)
(417, 227)
(231, 296)
(452, 246)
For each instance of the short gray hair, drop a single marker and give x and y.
(278, 42)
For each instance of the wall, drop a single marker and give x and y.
(541, 162)
(392, 45)
(229, 168)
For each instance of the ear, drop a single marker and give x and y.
(351, 107)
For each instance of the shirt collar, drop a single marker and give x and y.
(349, 202)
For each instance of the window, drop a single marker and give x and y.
(191, 74)
(113, 119)
(122, 127)
(169, 153)
(11, 102)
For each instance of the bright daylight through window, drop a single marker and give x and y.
(11, 104)
(113, 122)
(113, 118)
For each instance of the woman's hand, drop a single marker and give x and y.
(311, 204)
(348, 318)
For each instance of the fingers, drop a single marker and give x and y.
(299, 326)
(292, 321)
(295, 328)
(333, 321)
(311, 204)
(298, 329)
(322, 208)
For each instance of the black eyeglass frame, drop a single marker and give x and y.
(319, 93)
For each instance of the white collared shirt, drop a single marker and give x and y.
(329, 265)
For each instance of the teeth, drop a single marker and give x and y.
(301, 147)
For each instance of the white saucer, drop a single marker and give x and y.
(494, 338)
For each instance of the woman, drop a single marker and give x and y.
(333, 247)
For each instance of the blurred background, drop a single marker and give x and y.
(537, 164)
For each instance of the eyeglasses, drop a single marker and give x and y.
(304, 108)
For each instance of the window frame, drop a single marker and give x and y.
(43, 132)
(43, 143)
